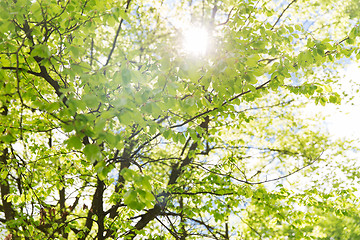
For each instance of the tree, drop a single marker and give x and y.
(110, 130)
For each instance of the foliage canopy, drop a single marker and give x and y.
(109, 129)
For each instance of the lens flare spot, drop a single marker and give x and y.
(196, 40)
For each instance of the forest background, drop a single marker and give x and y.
(116, 122)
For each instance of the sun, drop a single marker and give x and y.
(196, 40)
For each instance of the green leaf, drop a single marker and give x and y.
(91, 101)
(126, 76)
(3, 173)
(41, 51)
(74, 142)
(102, 170)
(149, 196)
(92, 152)
(53, 107)
(8, 138)
(130, 197)
(253, 60)
(124, 15)
(143, 182)
(251, 87)
(137, 205)
(75, 51)
(167, 134)
(99, 125)
(128, 174)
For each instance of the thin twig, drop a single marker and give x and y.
(228, 18)
(282, 13)
(264, 181)
(117, 35)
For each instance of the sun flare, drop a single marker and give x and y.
(196, 40)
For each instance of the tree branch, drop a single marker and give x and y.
(264, 181)
(117, 35)
(176, 171)
(96, 208)
(228, 18)
(282, 13)
(5, 189)
(22, 69)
